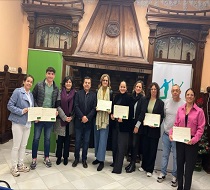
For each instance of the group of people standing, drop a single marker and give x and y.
(77, 113)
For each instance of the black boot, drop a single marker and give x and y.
(132, 168)
(58, 161)
(100, 166)
(128, 166)
(65, 161)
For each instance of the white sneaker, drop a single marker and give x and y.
(14, 171)
(141, 169)
(161, 178)
(149, 174)
(174, 182)
(23, 168)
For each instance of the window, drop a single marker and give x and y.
(175, 47)
(53, 37)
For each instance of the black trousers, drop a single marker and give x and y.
(186, 160)
(135, 147)
(63, 143)
(150, 146)
(114, 143)
(120, 146)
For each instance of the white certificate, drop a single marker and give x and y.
(104, 105)
(152, 119)
(41, 114)
(34, 113)
(181, 134)
(48, 114)
(121, 111)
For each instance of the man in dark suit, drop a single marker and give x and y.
(85, 110)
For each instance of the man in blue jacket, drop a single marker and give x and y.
(45, 95)
(85, 110)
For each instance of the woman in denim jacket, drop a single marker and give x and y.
(18, 105)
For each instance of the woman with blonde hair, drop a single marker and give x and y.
(139, 109)
(101, 129)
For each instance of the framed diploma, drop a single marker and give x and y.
(103, 105)
(121, 111)
(41, 114)
(181, 134)
(152, 119)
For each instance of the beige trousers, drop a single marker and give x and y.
(20, 139)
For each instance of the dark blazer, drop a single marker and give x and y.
(158, 109)
(80, 107)
(125, 101)
(141, 109)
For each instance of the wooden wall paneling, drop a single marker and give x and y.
(8, 83)
(3, 83)
(2, 78)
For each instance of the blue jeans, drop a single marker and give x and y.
(82, 135)
(167, 146)
(37, 133)
(100, 142)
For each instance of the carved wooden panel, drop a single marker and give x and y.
(132, 43)
(46, 20)
(1, 107)
(166, 30)
(92, 43)
(113, 34)
(8, 83)
(111, 45)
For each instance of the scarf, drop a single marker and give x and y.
(102, 117)
(136, 98)
(67, 103)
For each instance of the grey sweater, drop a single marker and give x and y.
(170, 110)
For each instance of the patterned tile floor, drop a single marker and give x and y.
(67, 177)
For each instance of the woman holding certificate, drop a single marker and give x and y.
(101, 129)
(137, 121)
(64, 123)
(18, 105)
(190, 116)
(151, 132)
(121, 108)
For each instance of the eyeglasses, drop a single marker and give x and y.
(105, 80)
